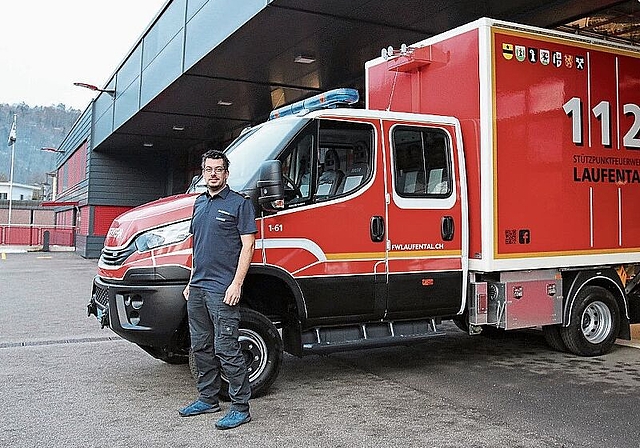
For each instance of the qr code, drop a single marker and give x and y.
(511, 237)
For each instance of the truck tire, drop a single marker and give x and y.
(261, 346)
(553, 337)
(462, 322)
(595, 321)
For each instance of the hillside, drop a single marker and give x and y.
(37, 127)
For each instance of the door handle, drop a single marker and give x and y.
(377, 229)
(447, 228)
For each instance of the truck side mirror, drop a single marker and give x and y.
(271, 186)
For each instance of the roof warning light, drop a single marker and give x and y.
(326, 100)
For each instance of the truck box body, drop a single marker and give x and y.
(550, 129)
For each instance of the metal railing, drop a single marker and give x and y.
(34, 235)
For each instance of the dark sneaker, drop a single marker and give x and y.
(198, 407)
(233, 419)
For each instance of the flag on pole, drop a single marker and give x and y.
(12, 133)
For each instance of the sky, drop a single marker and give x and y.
(47, 45)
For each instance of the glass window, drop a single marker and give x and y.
(421, 162)
(298, 168)
(102, 105)
(130, 70)
(345, 157)
(329, 158)
(163, 31)
(165, 68)
(102, 127)
(193, 6)
(214, 22)
(127, 104)
(253, 147)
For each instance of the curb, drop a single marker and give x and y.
(25, 249)
(634, 343)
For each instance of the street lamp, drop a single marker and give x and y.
(94, 88)
(54, 183)
(61, 151)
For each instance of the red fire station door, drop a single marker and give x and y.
(424, 220)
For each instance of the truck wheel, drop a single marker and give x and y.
(553, 337)
(595, 321)
(261, 347)
(462, 322)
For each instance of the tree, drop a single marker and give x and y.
(38, 127)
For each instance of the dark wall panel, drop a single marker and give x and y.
(89, 246)
(127, 179)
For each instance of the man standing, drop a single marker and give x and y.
(223, 229)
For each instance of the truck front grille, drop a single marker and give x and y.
(116, 257)
(102, 295)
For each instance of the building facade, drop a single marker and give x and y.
(19, 192)
(205, 69)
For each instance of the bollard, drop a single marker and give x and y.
(45, 241)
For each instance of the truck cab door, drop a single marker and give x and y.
(330, 236)
(426, 221)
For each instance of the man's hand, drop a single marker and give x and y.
(185, 292)
(232, 295)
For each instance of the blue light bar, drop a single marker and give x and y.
(326, 100)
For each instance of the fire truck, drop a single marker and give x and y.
(491, 179)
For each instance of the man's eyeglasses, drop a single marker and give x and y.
(217, 170)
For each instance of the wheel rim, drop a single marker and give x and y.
(255, 353)
(254, 350)
(596, 322)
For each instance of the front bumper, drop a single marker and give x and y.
(146, 315)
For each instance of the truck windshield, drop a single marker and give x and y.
(247, 152)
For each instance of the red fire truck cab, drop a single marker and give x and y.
(492, 179)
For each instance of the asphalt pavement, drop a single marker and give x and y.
(64, 382)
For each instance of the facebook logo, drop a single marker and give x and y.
(524, 236)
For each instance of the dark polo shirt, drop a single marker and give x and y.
(216, 226)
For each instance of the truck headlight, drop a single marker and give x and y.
(163, 236)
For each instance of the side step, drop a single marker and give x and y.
(368, 335)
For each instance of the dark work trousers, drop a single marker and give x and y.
(213, 326)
